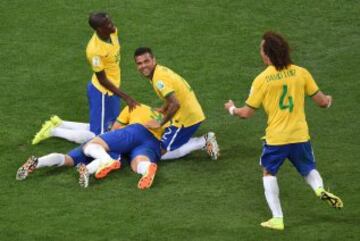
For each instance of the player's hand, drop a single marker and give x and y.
(161, 110)
(329, 97)
(229, 104)
(152, 124)
(132, 103)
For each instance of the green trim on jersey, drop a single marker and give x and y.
(314, 93)
(168, 94)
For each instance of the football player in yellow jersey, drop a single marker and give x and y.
(103, 53)
(181, 108)
(281, 89)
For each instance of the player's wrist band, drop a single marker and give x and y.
(232, 109)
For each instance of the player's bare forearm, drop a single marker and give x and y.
(103, 80)
(244, 112)
(322, 100)
(163, 109)
(172, 106)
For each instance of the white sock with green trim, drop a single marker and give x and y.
(271, 188)
(315, 181)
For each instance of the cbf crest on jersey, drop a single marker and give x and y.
(96, 61)
(160, 85)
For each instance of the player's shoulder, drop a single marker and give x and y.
(261, 77)
(162, 70)
(298, 68)
(95, 47)
(302, 71)
(161, 74)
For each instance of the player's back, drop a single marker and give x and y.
(283, 101)
(141, 115)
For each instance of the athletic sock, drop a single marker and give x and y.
(93, 166)
(315, 181)
(53, 159)
(96, 151)
(77, 136)
(272, 195)
(195, 143)
(75, 125)
(142, 167)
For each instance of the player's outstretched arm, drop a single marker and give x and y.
(322, 100)
(132, 103)
(244, 112)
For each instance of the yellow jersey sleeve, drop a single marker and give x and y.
(96, 62)
(124, 116)
(163, 87)
(257, 93)
(311, 88)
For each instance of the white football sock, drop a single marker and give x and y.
(272, 195)
(195, 143)
(53, 159)
(75, 125)
(77, 136)
(314, 179)
(142, 167)
(96, 151)
(94, 166)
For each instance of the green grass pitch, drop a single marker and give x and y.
(215, 46)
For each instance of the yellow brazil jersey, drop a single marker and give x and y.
(141, 115)
(282, 95)
(166, 82)
(104, 56)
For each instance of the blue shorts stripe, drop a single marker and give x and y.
(103, 109)
(174, 137)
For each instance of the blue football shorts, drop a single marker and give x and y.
(103, 109)
(299, 154)
(174, 137)
(133, 140)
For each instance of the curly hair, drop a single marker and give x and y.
(277, 49)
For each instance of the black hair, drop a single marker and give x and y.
(143, 50)
(277, 49)
(96, 19)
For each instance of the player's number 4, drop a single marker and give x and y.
(283, 98)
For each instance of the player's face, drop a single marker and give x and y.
(264, 57)
(107, 27)
(145, 64)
